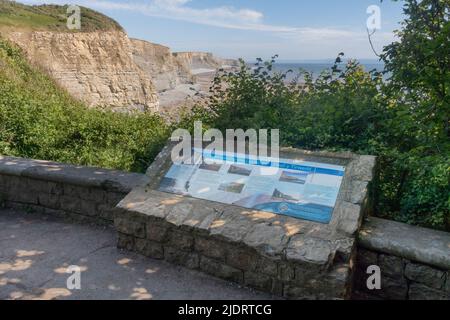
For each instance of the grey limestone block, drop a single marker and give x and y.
(418, 291)
(431, 277)
(221, 270)
(130, 227)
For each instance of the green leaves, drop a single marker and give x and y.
(39, 120)
(347, 108)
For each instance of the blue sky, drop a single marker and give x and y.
(294, 29)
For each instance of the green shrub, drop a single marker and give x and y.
(52, 17)
(342, 110)
(40, 120)
(403, 121)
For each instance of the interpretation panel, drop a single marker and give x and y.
(300, 189)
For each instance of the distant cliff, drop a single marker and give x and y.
(202, 60)
(95, 67)
(99, 65)
(158, 62)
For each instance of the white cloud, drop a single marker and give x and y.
(225, 17)
(309, 39)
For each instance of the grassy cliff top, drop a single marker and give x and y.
(51, 18)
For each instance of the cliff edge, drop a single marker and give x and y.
(95, 67)
(158, 62)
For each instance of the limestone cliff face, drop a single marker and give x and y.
(95, 67)
(158, 62)
(202, 60)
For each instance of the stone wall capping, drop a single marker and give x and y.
(111, 180)
(418, 244)
(82, 194)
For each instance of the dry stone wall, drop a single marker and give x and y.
(414, 262)
(255, 249)
(78, 193)
(281, 255)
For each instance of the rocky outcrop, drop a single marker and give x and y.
(96, 67)
(158, 62)
(202, 60)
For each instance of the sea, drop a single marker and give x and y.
(316, 68)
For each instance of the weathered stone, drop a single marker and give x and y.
(85, 193)
(135, 198)
(207, 222)
(266, 266)
(202, 216)
(447, 284)
(77, 205)
(105, 211)
(149, 248)
(428, 276)
(419, 291)
(54, 212)
(363, 169)
(286, 272)
(147, 208)
(88, 208)
(309, 250)
(409, 242)
(366, 258)
(49, 200)
(231, 225)
(270, 240)
(159, 211)
(298, 293)
(277, 287)
(392, 289)
(350, 217)
(337, 282)
(345, 249)
(125, 241)
(157, 231)
(127, 226)
(26, 197)
(305, 274)
(188, 259)
(48, 187)
(391, 266)
(221, 270)
(179, 213)
(113, 198)
(211, 248)
(241, 258)
(69, 203)
(293, 226)
(358, 192)
(180, 240)
(258, 281)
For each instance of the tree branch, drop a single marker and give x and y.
(369, 35)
